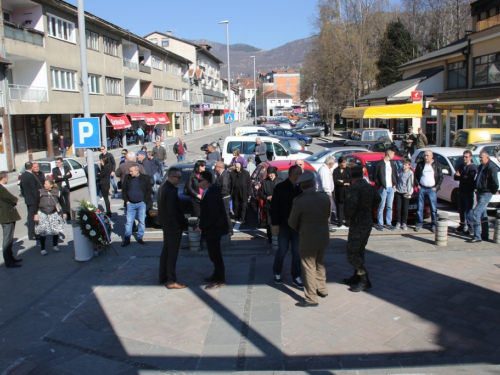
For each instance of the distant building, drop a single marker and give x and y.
(248, 94)
(286, 81)
(271, 102)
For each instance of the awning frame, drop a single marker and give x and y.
(394, 111)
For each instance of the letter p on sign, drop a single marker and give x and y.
(86, 132)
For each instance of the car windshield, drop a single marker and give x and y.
(318, 155)
(458, 160)
(287, 147)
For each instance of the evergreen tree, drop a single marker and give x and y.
(395, 49)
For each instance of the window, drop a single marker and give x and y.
(456, 75)
(156, 62)
(487, 69)
(176, 69)
(61, 29)
(113, 86)
(164, 43)
(92, 40)
(110, 46)
(177, 95)
(74, 164)
(94, 84)
(157, 92)
(6, 16)
(154, 41)
(63, 80)
(168, 66)
(169, 94)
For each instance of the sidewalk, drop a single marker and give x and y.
(431, 310)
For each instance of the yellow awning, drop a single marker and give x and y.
(385, 111)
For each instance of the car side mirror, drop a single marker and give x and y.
(446, 172)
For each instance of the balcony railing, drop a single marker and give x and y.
(132, 100)
(145, 69)
(147, 101)
(185, 103)
(22, 93)
(129, 64)
(185, 79)
(488, 22)
(24, 35)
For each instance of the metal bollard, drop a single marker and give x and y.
(496, 235)
(442, 229)
(194, 237)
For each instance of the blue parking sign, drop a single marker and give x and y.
(86, 132)
(228, 118)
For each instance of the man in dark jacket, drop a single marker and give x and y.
(136, 193)
(486, 186)
(173, 223)
(61, 174)
(281, 205)
(112, 162)
(8, 220)
(124, 168)
(266, 193)
(180, 150)
(160, 153)
(242, 189)
(143, 161)
(260, 151)
(428, 178)
(466, 175)
(385, 177)
(224, 183)
(63, 145)
(30, 188)
(157, 169)
(213, 225)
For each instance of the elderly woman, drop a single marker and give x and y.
(237, 158)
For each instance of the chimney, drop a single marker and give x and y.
(169, 32)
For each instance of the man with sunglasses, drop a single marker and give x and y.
(466, 175)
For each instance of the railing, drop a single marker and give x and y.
(132, 100)
(147, 101)
(488, 22)
(24, 35)
(28, 93)
(132, 65)
(185, 103)
(185, 79)
(144, 69)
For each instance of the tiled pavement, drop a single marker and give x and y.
(431, 310)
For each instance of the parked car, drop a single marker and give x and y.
(490, 147)
(465, 137)
(376, 146)
(369, 134)
(369, 160)
(318, 159)
(303, 139)
(259, 175)
(187, 207)
(293, 143)
(311, 129)
(79, 178)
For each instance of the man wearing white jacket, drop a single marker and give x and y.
(324, 181)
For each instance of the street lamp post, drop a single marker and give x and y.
(254, 93)
(228, 74)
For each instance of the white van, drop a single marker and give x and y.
(276, 150)
(242, 130)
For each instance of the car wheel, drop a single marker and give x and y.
(260, 223)
(302, 142)
(322, 133)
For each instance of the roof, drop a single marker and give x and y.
(454, 47)
(275, 94)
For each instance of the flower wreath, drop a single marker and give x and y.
(94, 224)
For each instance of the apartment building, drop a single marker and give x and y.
(132, 82)
(286, 81)
(248, 94)
(271, 102)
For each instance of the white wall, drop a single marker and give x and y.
(33, 13)
(30, 73)
(132, 88)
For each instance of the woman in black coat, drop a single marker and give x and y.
(193, 187)
(342, 180)
(104, 182)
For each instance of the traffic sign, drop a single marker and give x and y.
(86, 132)
(228, 118)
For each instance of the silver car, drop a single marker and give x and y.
(318, 159)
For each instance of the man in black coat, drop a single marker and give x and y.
(223, 181)
(213, 225)
(30, 188)
(266, 193)
(242, 189)
(112, 162)
(61, 174)
(173, 223)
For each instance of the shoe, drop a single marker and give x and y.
(321, 294)
(380, 228)
(363, 284)
(18, 260)
(417, 228)
(390, 227)
(306, 304)
(298, 282)
(460, 229)
(398, 226)
(176, 286)
(162, 281)
(55, 249)
(404, 227)
(43, 252)
(353, 280)
(277, 279)
(242, 221)
(125, 243)
(433, 229)
(474, 240)
(332, 230)
(12, 265)
(140, 241)
(215, 285)
(212, 279)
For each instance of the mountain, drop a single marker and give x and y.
(288, 56)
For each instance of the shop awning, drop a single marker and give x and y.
(118, 121)
(163, 118)
(137, 116)
(385, 111)
(150, 118)
(483, 103)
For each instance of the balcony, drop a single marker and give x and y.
(185, 103)
(185, 79)
(132, 100)
(487, 23)
(129, 64)
(147, 101)
(20, 93)
(145, 69)
(17, 32)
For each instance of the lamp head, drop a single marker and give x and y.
(225, 21)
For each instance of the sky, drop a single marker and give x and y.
(264, 24)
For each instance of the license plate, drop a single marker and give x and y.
(412, 207)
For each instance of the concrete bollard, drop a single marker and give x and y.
(194, 237)
(496, 236)
(442, 229)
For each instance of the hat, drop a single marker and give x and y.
(306, 176)
(141, 153)
(272, 170)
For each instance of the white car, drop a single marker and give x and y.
(318, 159)
(450, 158)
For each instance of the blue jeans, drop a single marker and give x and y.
(465, 205)
(480, 216)
(181, 157)
(387, 195)
(286, 238)
(113, 183)
(63, 153)
(431, 194)
(132, 210)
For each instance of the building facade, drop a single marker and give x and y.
(286, 81)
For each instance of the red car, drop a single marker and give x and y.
(260, 174)
(369, 160)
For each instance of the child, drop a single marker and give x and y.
(404, 190)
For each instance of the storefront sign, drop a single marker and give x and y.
(205, 107)
(416, 96)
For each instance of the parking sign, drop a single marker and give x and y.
(86, 132)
